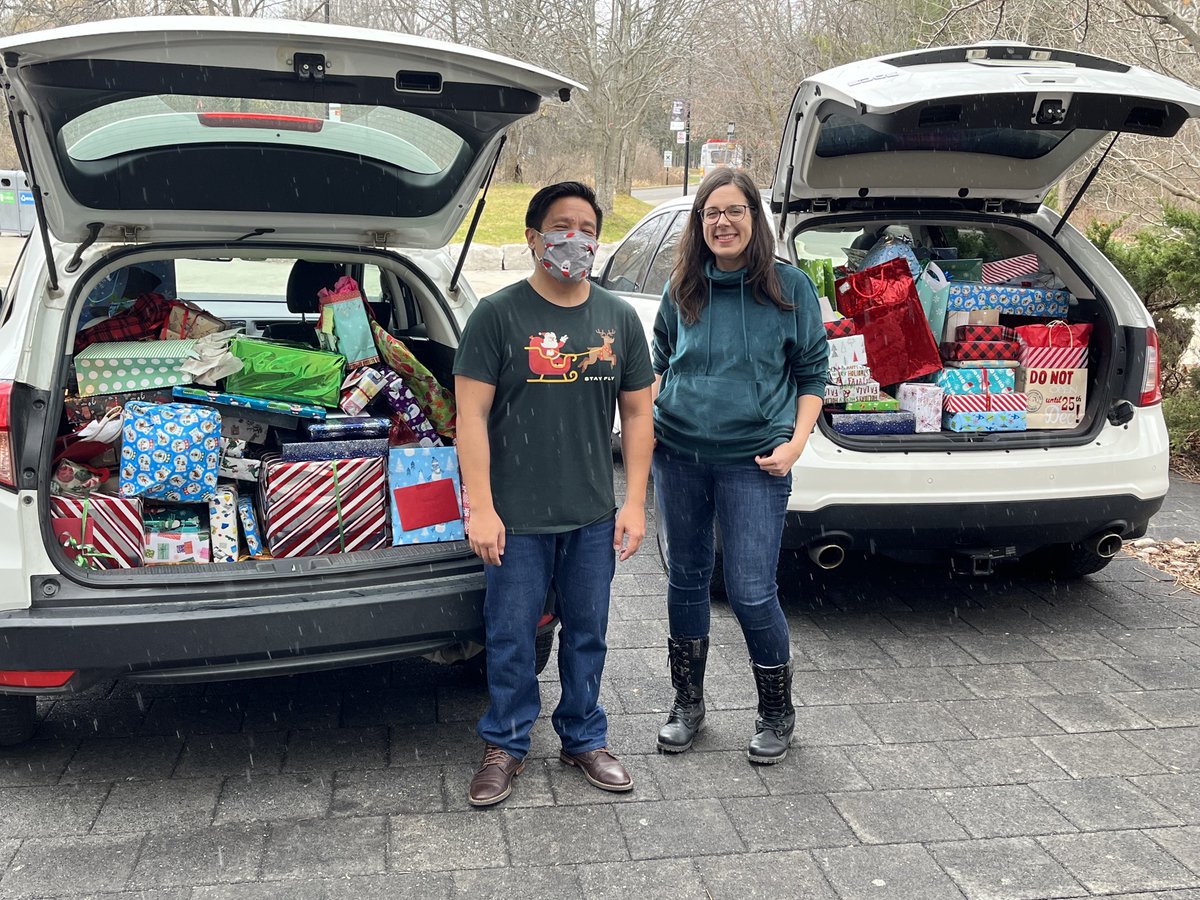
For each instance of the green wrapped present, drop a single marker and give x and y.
(285, 372)
(116, 368)
(821, 272)
(883, 404)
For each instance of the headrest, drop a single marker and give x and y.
(305, 280)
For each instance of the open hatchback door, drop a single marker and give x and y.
(172, 128)
(991, 122)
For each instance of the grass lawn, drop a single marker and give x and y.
(503, 220)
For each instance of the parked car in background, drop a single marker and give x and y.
(200, 149)
(947, 148)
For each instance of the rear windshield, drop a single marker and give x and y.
(392, 136)
(841, 135)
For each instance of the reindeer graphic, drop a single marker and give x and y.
(603, 353)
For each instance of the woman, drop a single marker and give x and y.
(740, 358)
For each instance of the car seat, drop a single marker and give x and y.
(305, 281)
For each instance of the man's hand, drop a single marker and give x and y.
(487, 536)
(781, 459)
(629, 532)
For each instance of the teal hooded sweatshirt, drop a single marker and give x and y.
(730, 381)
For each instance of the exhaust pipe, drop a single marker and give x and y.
(1105, 545)
(827, 556)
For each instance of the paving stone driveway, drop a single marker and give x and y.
(1003, 738)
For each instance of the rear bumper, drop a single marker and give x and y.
(211, 639)
(952, 527)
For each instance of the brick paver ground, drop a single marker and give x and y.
(992, 739)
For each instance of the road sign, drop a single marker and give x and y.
(668, 159)
(678, 115)
(681, 137)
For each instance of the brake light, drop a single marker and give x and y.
(8, 475)
(35, 679)
(260, 120)
(1151, 376)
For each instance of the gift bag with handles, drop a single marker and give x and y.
(934, 290)
(884, 304)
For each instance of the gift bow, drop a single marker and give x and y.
(85, 554)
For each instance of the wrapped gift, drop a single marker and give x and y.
(404, 403)
(345, 428)
(981, 350)
(360, 388)
(306, 450)
(141, 321)
(243, 429)
(957, 319)
(174, 537)
(977, 380)
(848, 351)
(962, 269)
(1003, 270)
(324, 506)
(840, 328)
(287, 411)
(984, 421)
(1018, 301)
(851, 393)
(81, 410)
(1053, 357)
(132, 366)
(1010, 402)
(249, 520)
(985, 333)
(170, 451)
(924, 401)
(982, 363)
(110, 526)
(1056, 345)
(1056, 397)
(187, 320)
(888, 248)
(435, 401)
(282, 372)
(425, 495)
(850, 375)
(902, 422)
(240, 468)
(223, 524)
(883, 404)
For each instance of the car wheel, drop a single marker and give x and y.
(543, 645)
(716, 586)
(18, 718)
(476, 666)
(1067, 561)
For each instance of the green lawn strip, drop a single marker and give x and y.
(503, 220)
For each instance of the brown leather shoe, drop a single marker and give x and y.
(493, 779)
(601, 768)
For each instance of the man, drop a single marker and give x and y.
(541, 368)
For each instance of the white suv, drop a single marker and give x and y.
(958, 147)
(232, 157)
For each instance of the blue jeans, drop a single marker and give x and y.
(581, 564)
(750, 506)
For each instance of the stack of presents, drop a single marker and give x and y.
(186, 441)
(949, 344)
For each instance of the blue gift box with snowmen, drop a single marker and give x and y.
(170, 451)
(425, 495)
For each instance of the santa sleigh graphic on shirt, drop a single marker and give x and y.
(550, 364)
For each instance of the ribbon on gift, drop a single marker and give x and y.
(337, 504)
(87, 556)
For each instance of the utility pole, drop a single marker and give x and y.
(687, 146)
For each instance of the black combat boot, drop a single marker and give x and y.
(687, 657)
(776, 716)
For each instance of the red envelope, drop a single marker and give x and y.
(430, 503)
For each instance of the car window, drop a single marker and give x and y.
(664, 261)
(829, 243)
(233, 279)
(629, 263)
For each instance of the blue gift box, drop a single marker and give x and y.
(899, 422)
(425, 492)
(966, 296)
(249, 519)
(283, 407)
(984, 421)
(977, 380)
(349, 428)
(308, 451)
(170, 451)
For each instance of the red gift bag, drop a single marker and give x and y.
(1055, 334)
(886, 309)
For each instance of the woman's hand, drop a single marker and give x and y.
(780, 461)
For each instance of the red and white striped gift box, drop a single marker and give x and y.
(1054, 357)
(324, 506)
(959, 403)
(1003, 270)
(116, 526)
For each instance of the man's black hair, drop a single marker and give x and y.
(535, 215)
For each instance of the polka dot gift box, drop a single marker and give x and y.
(132, 366)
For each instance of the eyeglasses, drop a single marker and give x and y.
(734, 213)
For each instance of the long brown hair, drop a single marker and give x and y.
(689, 288)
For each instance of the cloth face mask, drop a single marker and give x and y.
(569, 255)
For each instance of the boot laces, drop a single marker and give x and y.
(493, 756)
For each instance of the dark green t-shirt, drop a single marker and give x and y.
(557, 372)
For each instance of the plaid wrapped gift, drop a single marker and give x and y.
(1019, 301)
(114, 524)
(985, 333)
(1012, 402)
(981, 350)
(840, 328)
(984, 421)
(977, 381)
(324, 506)
(141, 321)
